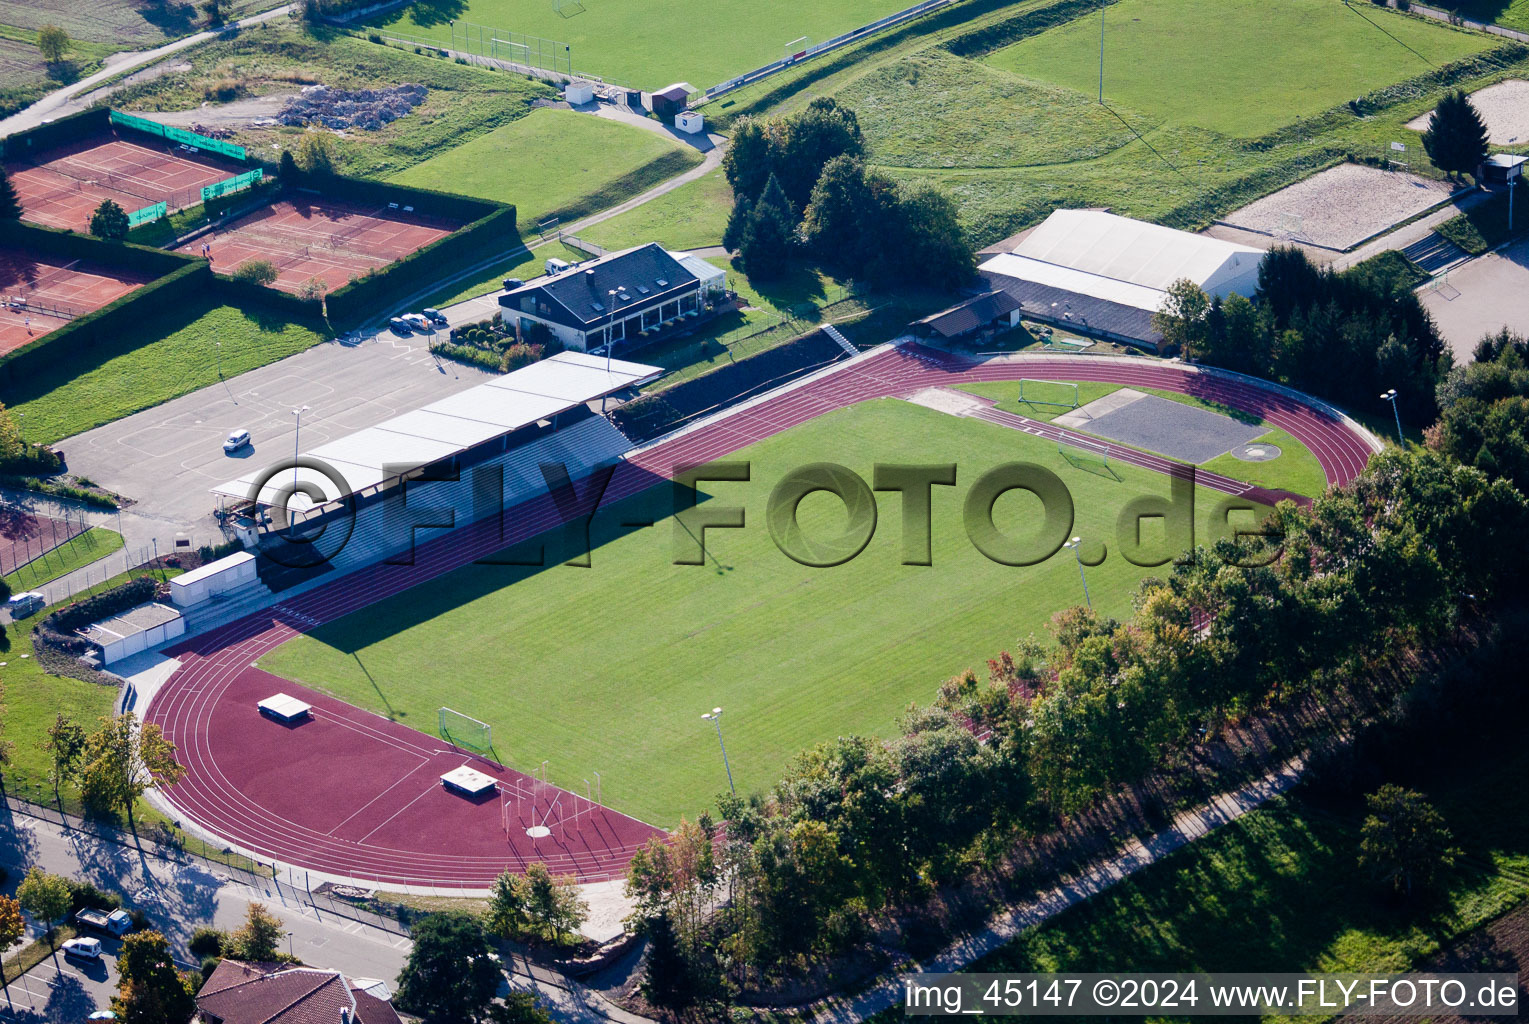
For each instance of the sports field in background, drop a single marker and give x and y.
(1296, 469)
(1238, 67)
(648, 44)
(608, 668)
(555, 160)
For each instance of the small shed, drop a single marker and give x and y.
(669, 101)
(578, 93)
(691, 122)
(989, 310)
(214, 578)
(1503, 168)
(134, 630)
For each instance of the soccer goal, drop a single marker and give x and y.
(1081, 453)
(796, 48)
(465, 731)
(567, 8)
(1061, 393)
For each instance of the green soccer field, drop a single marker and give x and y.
(608, 668)
(1239, 67)
(648, 44)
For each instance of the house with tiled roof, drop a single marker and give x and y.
(262, 993)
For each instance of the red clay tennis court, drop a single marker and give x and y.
(62, 186)
(328, 239)
(39, 294)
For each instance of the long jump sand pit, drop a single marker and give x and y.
(40, 294)
(1342, 206)
(327, 239)
(1505, 109)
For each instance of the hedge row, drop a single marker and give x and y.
(247, 293)
(425, 201)
(191, 279)
(71, 245)
(656, 414)
(56, 133)
(362, 298)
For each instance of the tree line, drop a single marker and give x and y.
(861, 826)
(802, 191)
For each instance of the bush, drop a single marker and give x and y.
(207, 943)
(210, 964)
(262, 272)
(84, 896)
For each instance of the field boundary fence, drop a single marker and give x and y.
(790, 60)
(178, 846)
(499, 48)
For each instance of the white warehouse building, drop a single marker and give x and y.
(1101, 274)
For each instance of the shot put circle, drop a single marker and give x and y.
(1258, 451)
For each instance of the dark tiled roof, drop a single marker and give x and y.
(1074, 310)
(243, 993)
(971, 314)
(581, 297)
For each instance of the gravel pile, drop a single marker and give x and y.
(367, 109)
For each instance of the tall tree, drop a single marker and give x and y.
(109, 221)
(509, 900)
(122, 761)
(666, 979)
(1404, 839)
(12, 927)
(733, 237)
(450, 977)
(259, 939)
(65, 744)
(554, 904)
(770, 239)
(315, 153)
(52, 43)
(149, 988)
(1456, 136)
(1184, 319)
(10, 202)
(47, 898)
(838, 218)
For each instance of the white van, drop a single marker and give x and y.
(22, 605)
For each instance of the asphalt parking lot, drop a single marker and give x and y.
(69, 993)
(166, 458)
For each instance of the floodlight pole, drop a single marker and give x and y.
(1076, 544)
(1391, 396)
(297, 436)
(1102, 4)
(715, 718)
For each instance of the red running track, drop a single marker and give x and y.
(353, 794)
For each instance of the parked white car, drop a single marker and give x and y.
(418, 322)
(236, 439)
(83, 949)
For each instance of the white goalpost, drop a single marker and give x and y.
(796, 48)
(464, 730)
(1082, 450)
(1040, 387)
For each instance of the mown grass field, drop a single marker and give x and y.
(1180, 173)
(693, 216)
(1295, 469)
(608, 668)
(1236, 67)
(277, 58)
(77, 552)
(648, 45)
(555, 161)
(168, 355)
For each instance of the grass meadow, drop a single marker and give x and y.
(1189, 134)
(651, 45)
(608, 668)
(555, 162)
(1236, 67)
(1296, 469)
(693, 216)
(167, 356)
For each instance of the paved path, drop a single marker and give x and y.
(63, 101)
